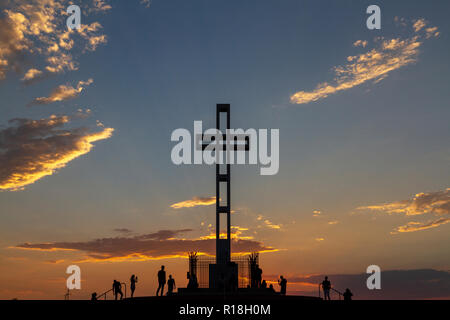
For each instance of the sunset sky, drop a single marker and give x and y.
(86, 117)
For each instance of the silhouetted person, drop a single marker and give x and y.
(264, 284)
(326, 286)
(170, 285)
(117, 289)
(133, 281)
(283, 283)
(348, 295)
(94, 296)
(271, 288)
(161, 280)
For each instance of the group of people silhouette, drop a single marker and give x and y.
(256, 282)
(326, 287)
(117, 286)
(162, 282)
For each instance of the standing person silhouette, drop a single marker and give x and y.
(170, 285)
(117, 289)
(133, 281)
(161, 280)
(283, 283)
(326, 286)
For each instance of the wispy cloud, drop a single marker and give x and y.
(425, 203)
(272, 225)
(161, 244)
(62, 93)
(146, 3)
(31, 74)
(194, 202)
(360, 43)
(33, 149)
(373, 65)
(396, 284)
(237, 232)
(317, 213)
(267, 223)
(55, 261)
(100, 6)
(417, 226)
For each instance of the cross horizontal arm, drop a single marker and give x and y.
(240, 142)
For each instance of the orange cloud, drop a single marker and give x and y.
(375, 65)
(236, 233)
(271, 225)
(360, 43)
(268, 223)
(38, 27)
(101, 5)
(158, 245)
(425, 202)
(194, 202)
(435, 203)
(33, 149)
(413, 226)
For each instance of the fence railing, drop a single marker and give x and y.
(105, 294)
(333, 289)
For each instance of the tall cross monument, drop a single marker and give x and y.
(224, 272)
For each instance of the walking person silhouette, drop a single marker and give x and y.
(133, 281)
(326, 286)
(170, 285)
(117, 289)
(161, 280)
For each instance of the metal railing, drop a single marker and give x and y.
(333, 289)
(105, 294)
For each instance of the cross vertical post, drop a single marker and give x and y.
(224, 273)
(223, 246)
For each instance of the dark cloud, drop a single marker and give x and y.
(143, 247)
(122, 230)
(32, 149)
